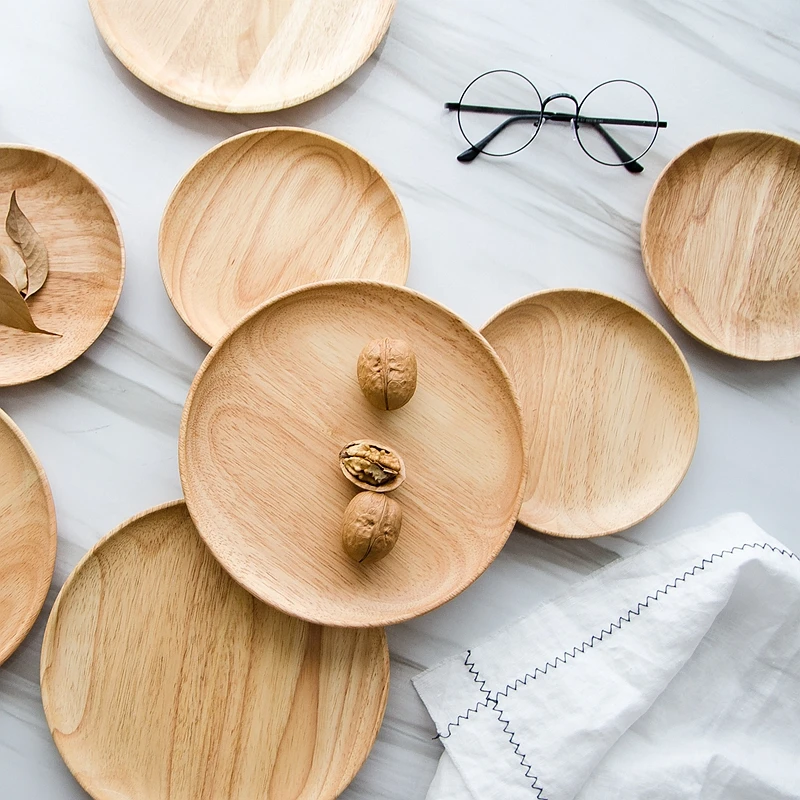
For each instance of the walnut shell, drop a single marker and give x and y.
(370, 526)
(387, 373)
(372, 466)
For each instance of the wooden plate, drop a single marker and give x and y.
(610, 409)
(27, 537)
(277, 399)
(271, 210)
(163, 679)
(240, 56)
(87, 262)
(721, 243)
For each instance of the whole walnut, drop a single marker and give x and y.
(387, 373)
(370, 526)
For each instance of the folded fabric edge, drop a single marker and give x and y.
(462, 680)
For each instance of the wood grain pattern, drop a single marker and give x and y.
(162, 678)
(87, 262)
(271, 210)
(242, 55)
(277, 399)
(610, 409)
(721, 243)
(27, 537)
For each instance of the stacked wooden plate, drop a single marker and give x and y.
(86, 262)
(163, 678)
(238, 56)
(27, 537)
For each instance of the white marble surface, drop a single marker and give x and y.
(106, 427)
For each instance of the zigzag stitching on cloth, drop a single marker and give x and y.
(582, 649)
(523, 758)
(473, 709)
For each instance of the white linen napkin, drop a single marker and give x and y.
(671, 674)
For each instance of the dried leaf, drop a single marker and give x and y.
(14, 311)
(23, 234)
(13, 268)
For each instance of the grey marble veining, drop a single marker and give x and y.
(483, 235)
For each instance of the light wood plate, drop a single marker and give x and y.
(27, 537)
(87, 262)
(721, 243)
(242, 55)
(163, 679)
(277, 399)
(610, 409)
(271, 210)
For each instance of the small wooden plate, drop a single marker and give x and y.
(163, 679)
(277, 399)
(241, 56)
(27, 537)
(610, 409)
(269, 211)
(87, 262)
(721, 243)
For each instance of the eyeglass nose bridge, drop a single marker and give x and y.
(557, 96)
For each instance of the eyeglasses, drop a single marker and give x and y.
(615, 124)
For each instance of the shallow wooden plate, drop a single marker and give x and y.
(610, 409)
(162, 678)
(27, 537)
(721, 243)
(277, 399)
(240, 56)
(87, 262)
(271, 210)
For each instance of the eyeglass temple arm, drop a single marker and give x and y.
(473, 151)
(621, 153)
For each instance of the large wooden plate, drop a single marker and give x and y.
(610, 409)
(87, 262)
(721, 243)
(277, 399)
(271, 210)
(163, 679)
(27, 537)
(242, 56)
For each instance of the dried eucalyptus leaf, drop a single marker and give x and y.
(14, 311)
(34, 251)
(13, 268)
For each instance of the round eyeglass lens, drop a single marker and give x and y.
(625, 126)
(499, 112)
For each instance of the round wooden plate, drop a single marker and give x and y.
(269, 211)
(610, 409)
(721, 243)
(161, 678)
(87, 262)
(271, 408)
(241, 56)
(27, 537)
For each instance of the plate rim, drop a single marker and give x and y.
(126, 58)
(684, 363)
(122, 255)
(646, 255)
(48, 645)
(481, 340)
(265, 131)
(30, 617)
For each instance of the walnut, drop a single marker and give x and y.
(370, 465)
(387, 373)
(370, 526)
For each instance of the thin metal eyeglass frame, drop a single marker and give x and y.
(522, 115)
